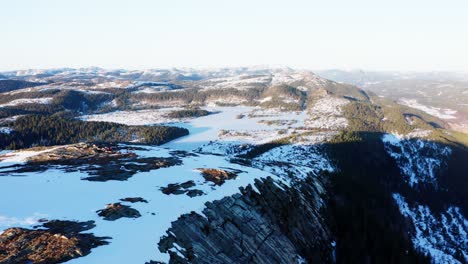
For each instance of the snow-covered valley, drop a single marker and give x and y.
(247, 165)
(58, 194)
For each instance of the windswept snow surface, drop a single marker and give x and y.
(16, 102)
(134, 118)
(241, 82)
(27, 221)
(20, 156)
(226, 126)
(441, 236)
(442, 113)
(60, 195)
(419, 160)
(298, 160)
(327, 113)
(57, 194)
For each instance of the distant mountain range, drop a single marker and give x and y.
(433, 92)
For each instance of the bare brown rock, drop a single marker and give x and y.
(177, 188)
(217, 176)
(60, 242)
(79, 151)
(102, 163)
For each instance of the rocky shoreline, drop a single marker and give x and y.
(103, 162)
(55, 242)
(277, 225)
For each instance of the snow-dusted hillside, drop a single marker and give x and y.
(441, 236)
(280, 166)
(419, 160)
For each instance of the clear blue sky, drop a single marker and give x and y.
(369, 34)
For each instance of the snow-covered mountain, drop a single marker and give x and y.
(278, 166)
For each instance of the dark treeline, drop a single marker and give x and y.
(37, 130)
(69, 101)
(30, 109)
(285, 90)
(11, 85)
(366, 116)
(5, 98)
(80, 101)
(346, 90)
(190, 96)
(364, 217)
(188, 113)
(279, 92)
(194, 95)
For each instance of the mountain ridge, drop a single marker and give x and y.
(324, 171)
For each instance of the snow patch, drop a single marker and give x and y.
(26, 221)
(135, 118)
(21, 156)
(5, 130)
(266, 99)
(418, 160)
(296, 162)
(441, 236)
(442, 113)
(326, 113)
(46, 100)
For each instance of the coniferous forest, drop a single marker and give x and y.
(39, 130)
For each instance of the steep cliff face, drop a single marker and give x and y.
(439, 227)
(339, 203)
(361, 213)
(273, 223)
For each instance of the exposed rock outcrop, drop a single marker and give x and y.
(115, 211)
(217, 176)
(182, 153)
(134, 200)
(195, 192)
(122, 170)
(60, 241)
(79, 151)
(278, 225)
(182, 188)
(103, 163)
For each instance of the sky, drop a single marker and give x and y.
(402, 35)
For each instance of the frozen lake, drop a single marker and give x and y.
(56, 194)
